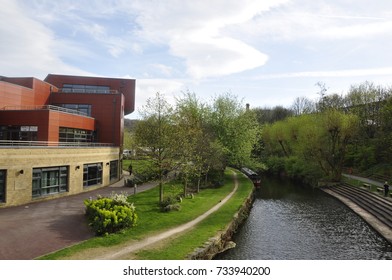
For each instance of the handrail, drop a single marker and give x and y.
(44, 107)
(51, 144)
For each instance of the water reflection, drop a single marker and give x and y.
(290, 221)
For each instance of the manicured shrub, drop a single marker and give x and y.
(110, 214)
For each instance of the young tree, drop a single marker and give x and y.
(189, 118)
(155, 134)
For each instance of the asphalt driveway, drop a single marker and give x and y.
(36, 229)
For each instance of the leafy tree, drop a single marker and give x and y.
(366, 100)
(384, 147)
(320, 139)
(189, 118)
(337, 129)
(235, 128)
(271, 115)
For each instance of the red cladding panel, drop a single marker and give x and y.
(48, 122)
(23, 92)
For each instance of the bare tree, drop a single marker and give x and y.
(302, 105)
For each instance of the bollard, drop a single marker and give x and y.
(135, 189)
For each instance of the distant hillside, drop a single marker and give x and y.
(129, 125)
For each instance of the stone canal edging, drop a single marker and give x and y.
(376, 224)
(222, 241)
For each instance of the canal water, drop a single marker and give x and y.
(289, 221)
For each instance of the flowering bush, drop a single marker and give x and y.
(110, 214)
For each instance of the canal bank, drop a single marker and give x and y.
(223, 240)
(376, 211)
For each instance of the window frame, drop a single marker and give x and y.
(45, 184)
(113, 174)
(92, 174)
(3, 186)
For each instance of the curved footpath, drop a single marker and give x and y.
(374, 209)
(137, 245)
(39, 228)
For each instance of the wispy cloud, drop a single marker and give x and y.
(193, 32)
(327, 74)
(28, 47)
(321, 20)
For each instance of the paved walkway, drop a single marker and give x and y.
(364, 180)
(35, 229)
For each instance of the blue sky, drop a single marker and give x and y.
(265, 52)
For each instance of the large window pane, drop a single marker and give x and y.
(92, 174)
(75, 135)
(2, 185)
(113, 170)
(50, 180)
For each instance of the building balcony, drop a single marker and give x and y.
(51, 144)
(44, 107)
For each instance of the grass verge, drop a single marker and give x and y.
(180, 247)
(151, 219)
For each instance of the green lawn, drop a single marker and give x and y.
(179, 248)
(152, 220)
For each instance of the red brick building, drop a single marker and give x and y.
(72, 114)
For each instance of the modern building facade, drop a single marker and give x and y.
(60, 136)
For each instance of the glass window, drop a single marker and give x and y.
(113, 170)
(84, 109)
(85, 89)
(50, 180)
(75, 135)
(19, 133)
(92, 174)
(3, 174)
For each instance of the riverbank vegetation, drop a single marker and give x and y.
(334, 134)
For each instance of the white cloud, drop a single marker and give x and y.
(27, 46)
(194, 31)
(147, 88)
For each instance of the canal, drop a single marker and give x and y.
(290, 221)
